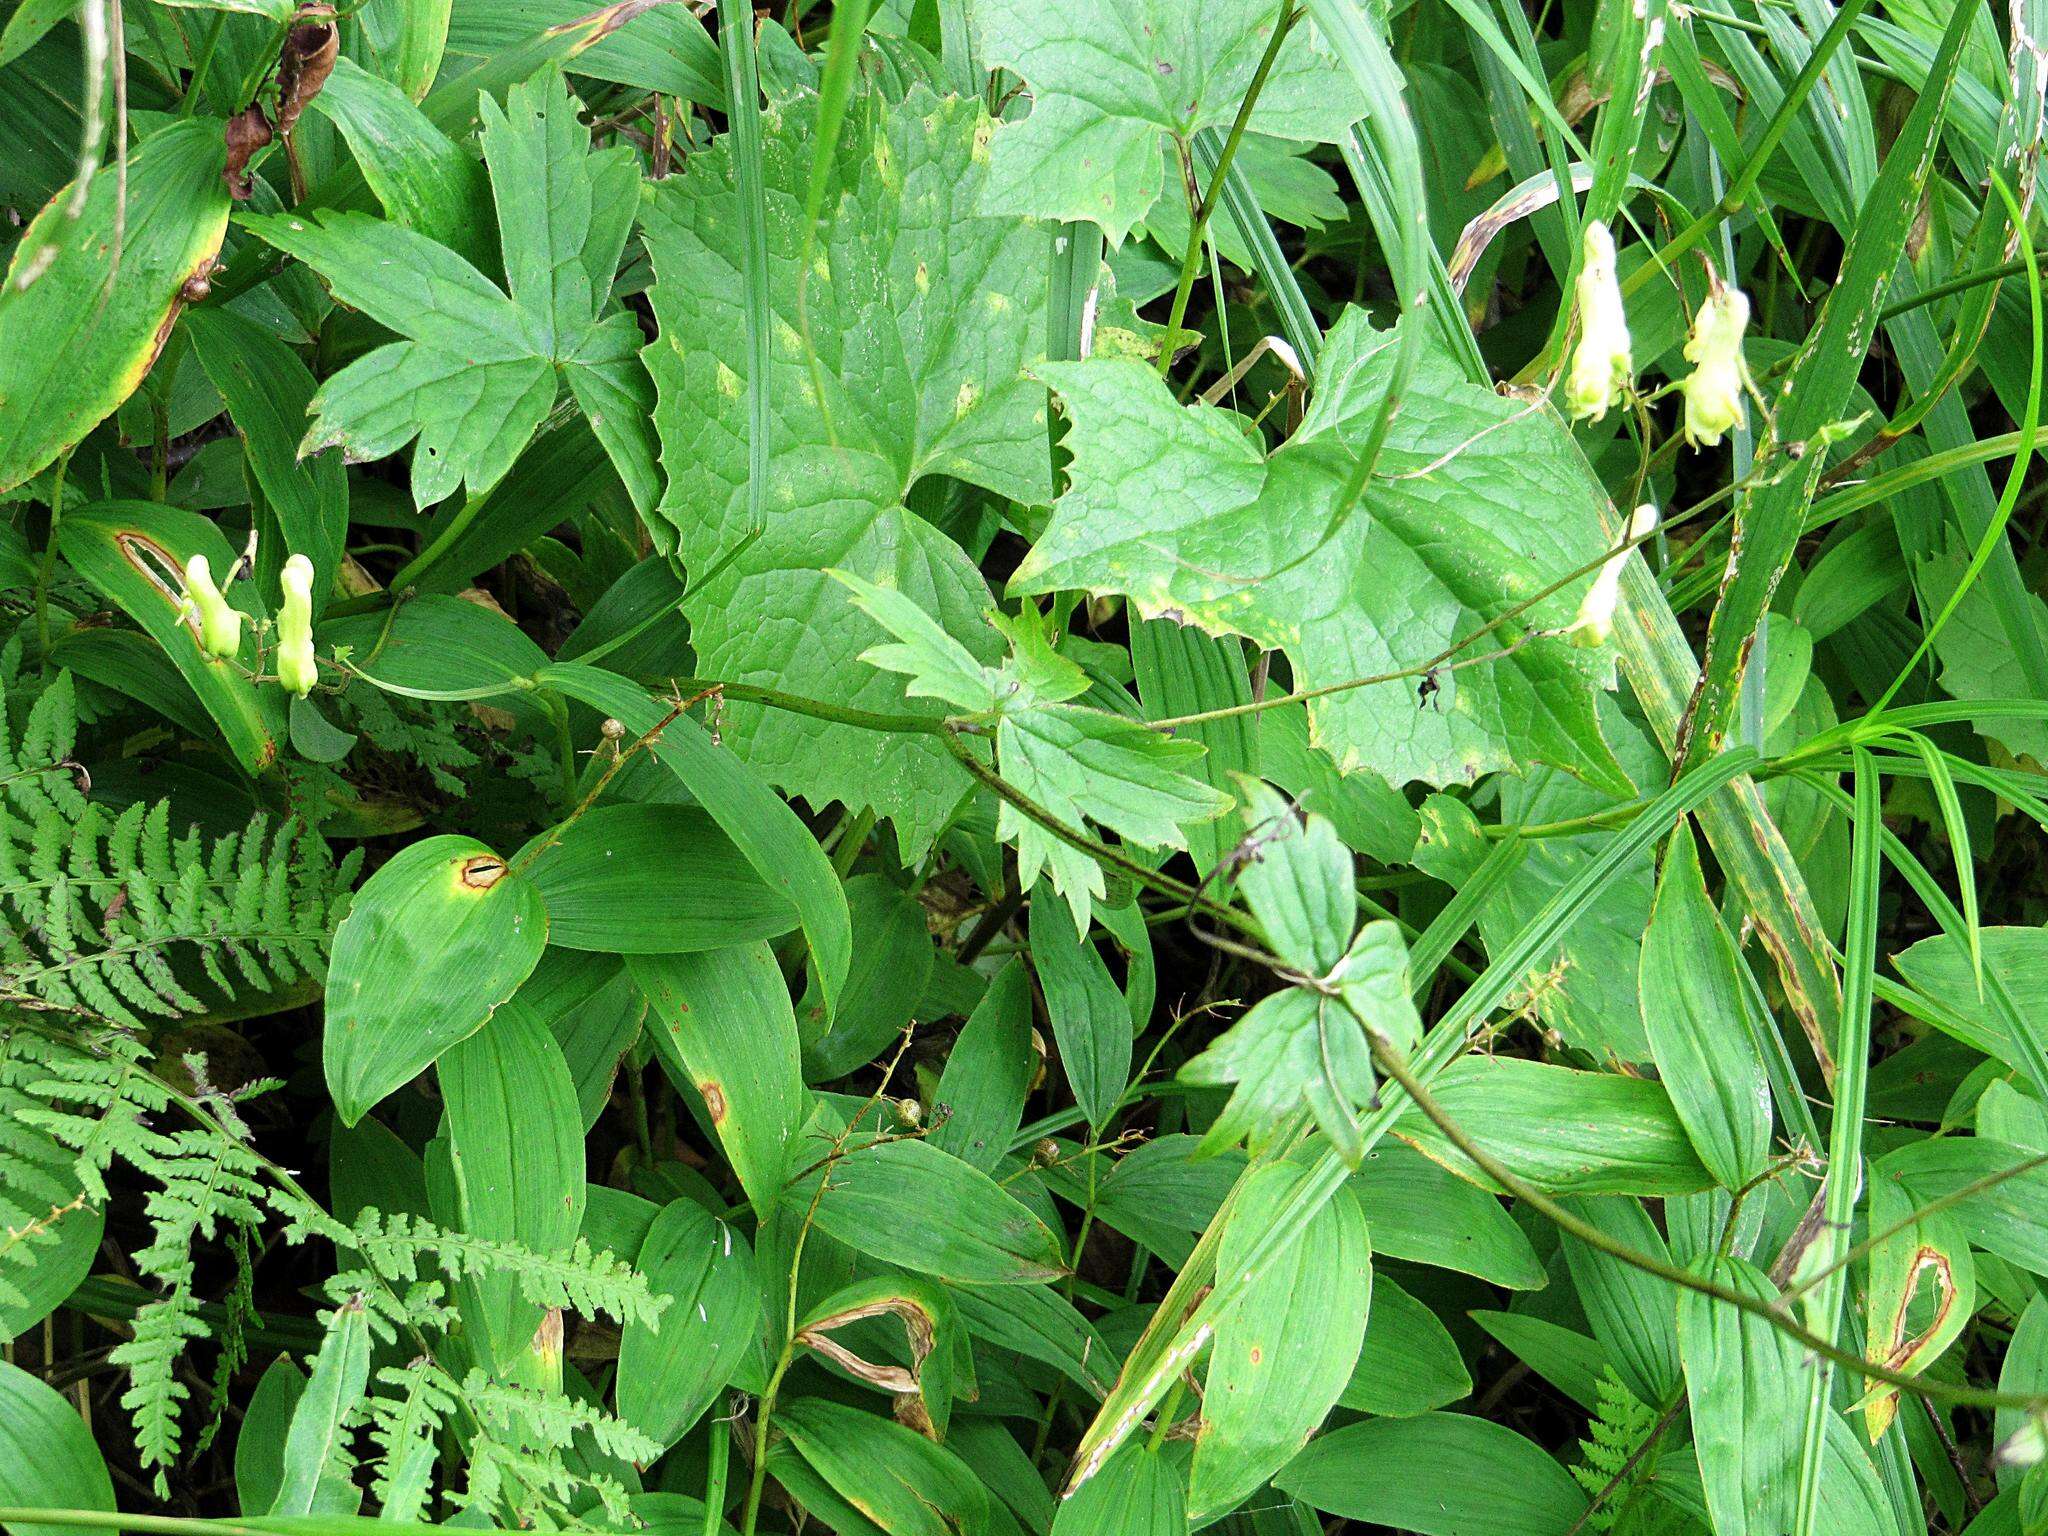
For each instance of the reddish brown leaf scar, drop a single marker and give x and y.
(482, 871)
(714, 1101)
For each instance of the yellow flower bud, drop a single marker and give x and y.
(1602, 363)
(1713, 390)
(296, 669)
(1595, 623)
(220, 622)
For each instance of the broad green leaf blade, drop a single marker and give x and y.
(1088, 765)
(979, 1102)
(1408, 1363)
(924, 324)
(764, 828)
(1112, 86)
(47, 1456)
(1696, 1015)
(62, 301)
(1171, 506)
(1566, 1132)
(911, 1205)
(433, 943)
(1747, 1384)
(1181, 671)
(267, 390)
(892, 961)
(723, 1029)
(670, 1373)
(613, 391)
(515, 1145)
(424, 179)
(906, 1484)
(1299, 882)
(1138, 1493)
(1090, 1023)
(1628, 1310)
(333, 1391)
(1422, 1212)
(650, 880)
(1439, 1474)
(1282, 1355)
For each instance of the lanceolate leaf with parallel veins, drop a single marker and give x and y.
(477, 371)
(925, 318)
(1476, 505)
(1110, 82)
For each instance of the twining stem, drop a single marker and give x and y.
(1198, 222)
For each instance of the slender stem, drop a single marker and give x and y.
(1198, 220)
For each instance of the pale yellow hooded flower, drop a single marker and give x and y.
(220, 622)
(1714, 389)
(296, 669)
(1602, 363)
(1595, 623)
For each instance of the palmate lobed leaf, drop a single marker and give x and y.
(1110, 84)
(1477, 505)
(924, 317)
(478, 372)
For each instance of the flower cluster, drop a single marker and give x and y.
(220, 622)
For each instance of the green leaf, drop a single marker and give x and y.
(1299, 882)
(423, 178)
(1628, 1310)
(267, 390)
(1181, 671)
(979, 1102)
(904, 1483)
(1747, 1384)
(670, 1373)
(1566, 1132)
(1301, 1046)
(723, 1029)
(1282, 1355)
(1408, 1363)
(47, 1456)
(924, 1210)
(892, 961)
(1478, 503)
(1439, 1474)
(1696, 1015)
(433, 943)
(515, 1145)
(63, 300)
(1087, 765)
(1426, 1214)
(762, 826)
(477, 372)
(1090, 1023)
(1137, 1493)
(317, 1437)
(650, 880)
(1112, 87)
(949, 310)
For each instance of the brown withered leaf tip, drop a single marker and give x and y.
(248, 131)
(305, 63)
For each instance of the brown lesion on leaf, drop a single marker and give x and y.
(714, 1100)
(907, 1384)
(1900, 1352)
(481, 871)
